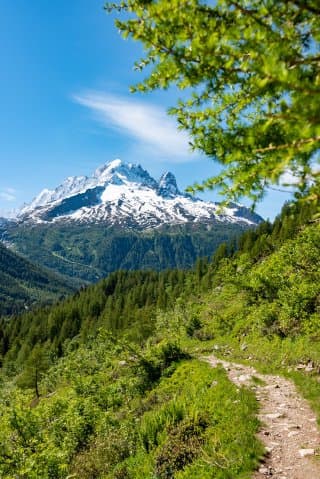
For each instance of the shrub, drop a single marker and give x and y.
(192, 326)
(159, 361)
(181, 448)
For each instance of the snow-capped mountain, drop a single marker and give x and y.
(124, 194)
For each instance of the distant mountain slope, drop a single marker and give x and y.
(23, 284)
(121, 218)
(125, 195)
(91, 252)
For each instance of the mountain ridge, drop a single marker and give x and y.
(126, 195)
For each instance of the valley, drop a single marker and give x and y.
(88, 253)
(111, 382)
(25, 285)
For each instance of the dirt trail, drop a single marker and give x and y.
(289, 428)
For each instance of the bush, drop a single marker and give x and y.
(159, 361)
(181, 448)
(193, 326)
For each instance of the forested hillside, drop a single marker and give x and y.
(88, 253)
(24, 284)
(106, 385)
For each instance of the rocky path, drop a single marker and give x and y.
(289, 428)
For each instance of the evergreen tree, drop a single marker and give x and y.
(36, 365)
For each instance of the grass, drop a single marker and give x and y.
(258, 381)
(199, 425)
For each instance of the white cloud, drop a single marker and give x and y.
(149, 125)
(289, 178)
(7, 194)
(292, 178)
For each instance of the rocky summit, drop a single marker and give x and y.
(125, 195)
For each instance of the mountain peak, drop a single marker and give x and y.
(119, 172)
(168, 185)
(107, 168)
(124, 194)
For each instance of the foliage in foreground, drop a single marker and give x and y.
(251, 72)
(101, 415)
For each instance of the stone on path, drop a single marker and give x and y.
(306, 452)
(288, 430)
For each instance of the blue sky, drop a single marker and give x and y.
(66, 106)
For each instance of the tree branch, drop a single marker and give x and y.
(303, 5)
(305, 61)
(294, 144)
(252, 14)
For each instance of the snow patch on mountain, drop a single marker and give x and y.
(168, 186)
(124, 194)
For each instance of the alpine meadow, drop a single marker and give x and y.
(146, 332)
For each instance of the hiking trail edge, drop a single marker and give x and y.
(288, 430)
